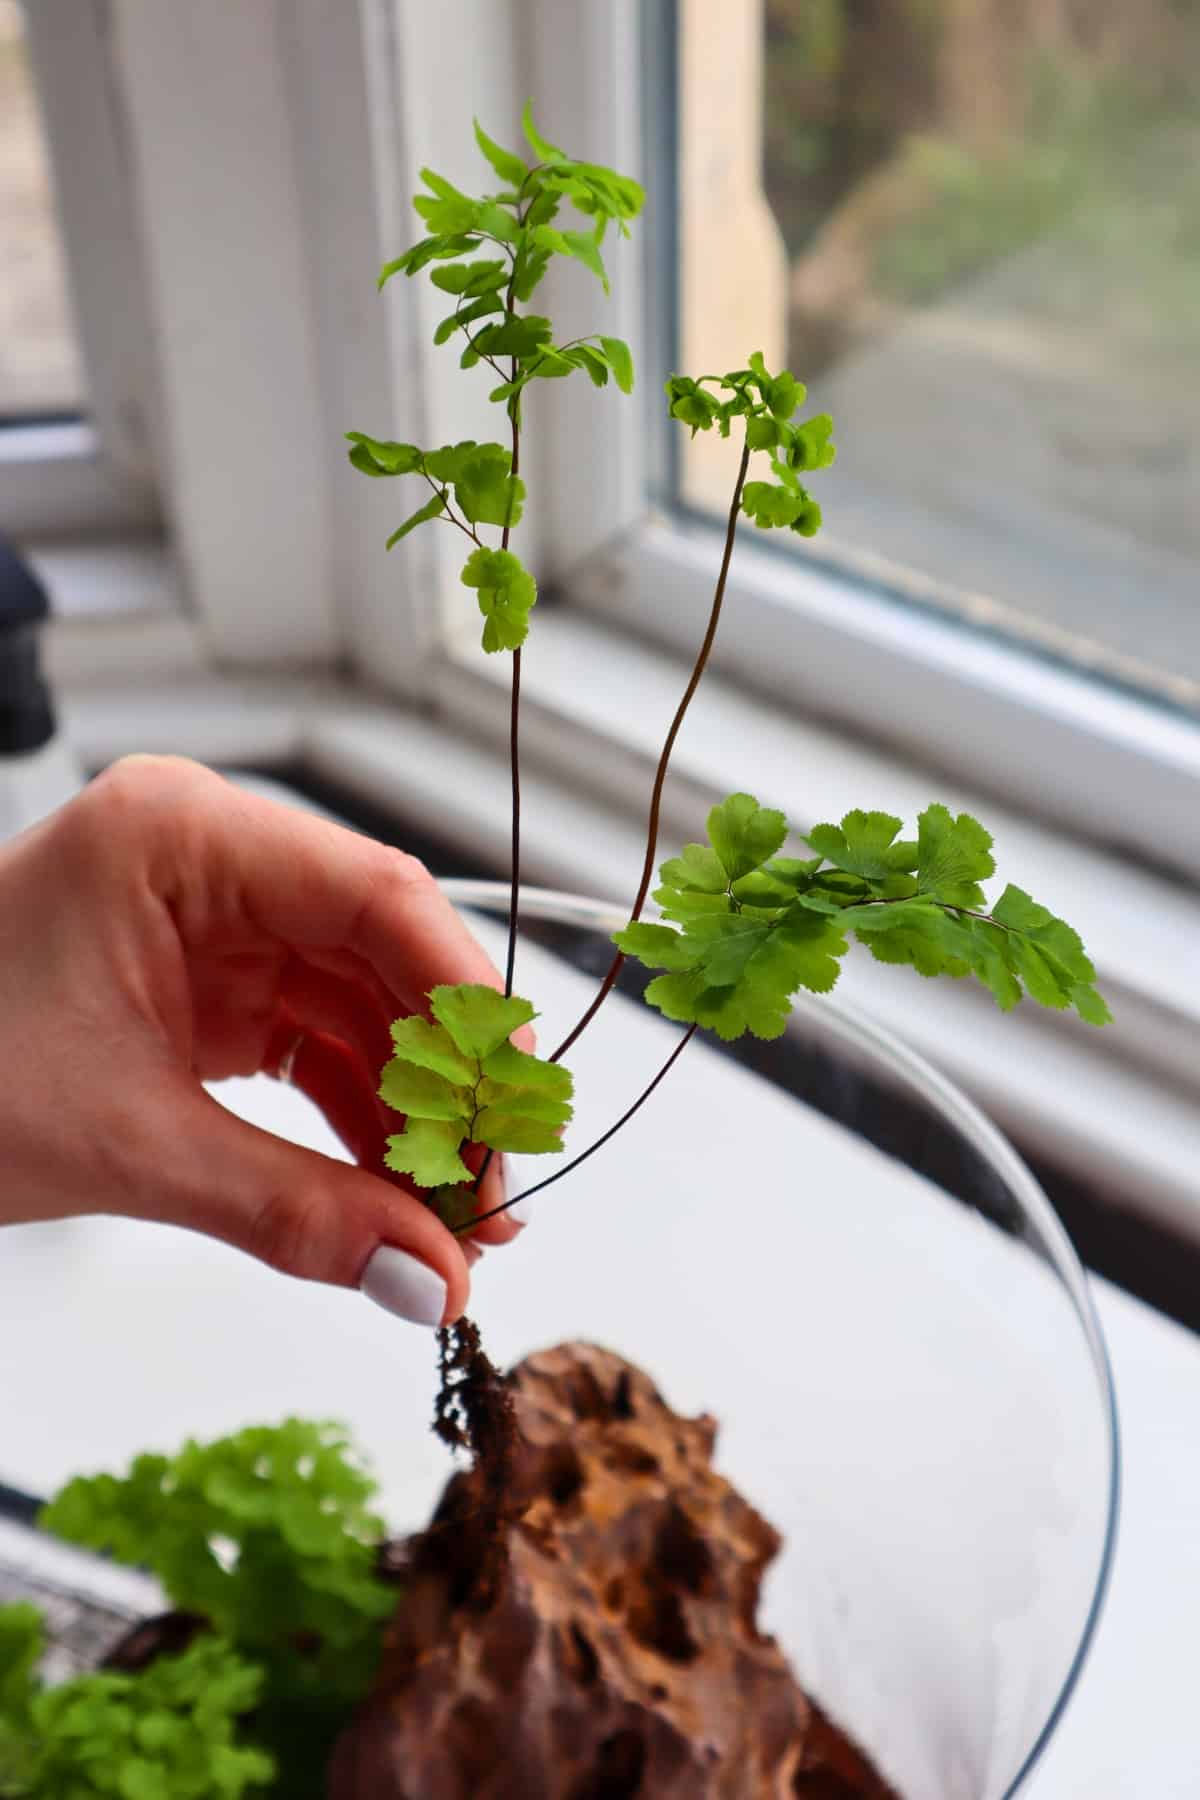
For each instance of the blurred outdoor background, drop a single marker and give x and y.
(983, 254)
(40, 367)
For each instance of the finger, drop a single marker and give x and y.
(315, 884)
(335, 1079)
(339, 1006)
(304, 1214)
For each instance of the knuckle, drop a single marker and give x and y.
(287, 1233)
(131, 793)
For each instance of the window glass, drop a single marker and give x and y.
(41, 373)
(973, 227)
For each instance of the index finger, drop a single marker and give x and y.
(316, 884)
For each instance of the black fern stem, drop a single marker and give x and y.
(514, 727)
(599, 1144)
(660, 776)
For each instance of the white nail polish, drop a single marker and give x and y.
(404, 1285)
(520, 1212)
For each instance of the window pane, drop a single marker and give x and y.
(973, 227)
(40, 369)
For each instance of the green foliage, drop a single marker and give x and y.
(459, 1080)
(267, 1534)
(506, 592)
(168, 1733)
(748, 929)
(767, 403)
(519, 222)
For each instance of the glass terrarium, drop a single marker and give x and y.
(824, 1244)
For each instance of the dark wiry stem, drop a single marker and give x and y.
(714, 619)
(599, 1144)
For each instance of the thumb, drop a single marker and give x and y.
(302, 1213)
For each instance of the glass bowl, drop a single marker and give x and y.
(824, 1244)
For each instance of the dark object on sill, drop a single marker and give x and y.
(26, 714)
(620, 1655)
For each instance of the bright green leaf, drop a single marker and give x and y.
(521, 335)
(422, 1093)
(542, 149)
(377, 456)
(506, 592)
(620, 359)
(955, 855)
(478, 1018)
(744, 834)
(507, 164)
(864, 844)
(427, 1149)
(433, 506)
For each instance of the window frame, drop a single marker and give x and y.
(95, 472)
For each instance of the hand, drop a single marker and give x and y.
(167, 928)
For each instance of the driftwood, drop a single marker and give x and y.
(606, 1646)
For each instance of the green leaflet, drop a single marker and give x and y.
(955, 855)
(167, 1733)
(767, 403)
(431, 509)
(748, 928)
(744, 834)
(478, 476)
(507, 164)
(506, 592)
(459, 1079)
(864, 844)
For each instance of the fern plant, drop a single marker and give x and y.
(743, 929)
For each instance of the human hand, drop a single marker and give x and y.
(167, 928)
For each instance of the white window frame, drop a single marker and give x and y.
(96, 473)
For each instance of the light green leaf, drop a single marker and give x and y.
(430, 249)
(587, 357)
(506, 592)
(485, 490)
(422, 1093)
(519, 335)
(744, 834)
(433, 506)
(584, 248)
(427, 1149)
(516, 1132)
(620, 359)
(655, 945)
(508, 1067)
(762, 432)
(379, 456)
(480, 277)
(447, 216)
(696, 866)
(541, 147)
(955, 855)
(478, 1018)
(771, 505)
(444, 464)
(863, 844)
(507, 164)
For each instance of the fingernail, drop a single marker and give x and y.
(404, 1285)
(520, 1212)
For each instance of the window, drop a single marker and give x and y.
(976, 239)
(1005, 585)
(40, 365)
(76, 380)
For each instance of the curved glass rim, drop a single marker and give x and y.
(603, 917)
